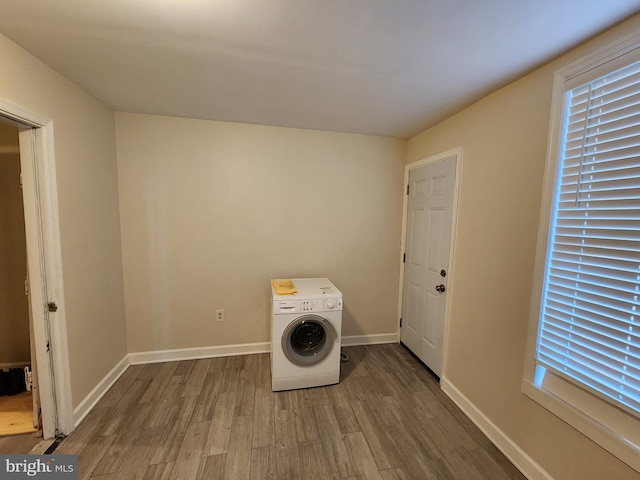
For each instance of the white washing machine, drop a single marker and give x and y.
(305, 335)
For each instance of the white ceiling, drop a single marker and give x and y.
(383, 67)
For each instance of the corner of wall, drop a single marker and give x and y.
(527, 465)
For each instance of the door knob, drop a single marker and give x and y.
(440, 288)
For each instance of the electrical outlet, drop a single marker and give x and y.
(220, 315)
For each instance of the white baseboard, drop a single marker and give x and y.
(87, 404)
(198, 352)
(156, 356)
(353, 340)
(517, 456)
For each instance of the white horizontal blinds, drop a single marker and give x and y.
(590, 326)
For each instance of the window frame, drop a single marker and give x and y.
(613, 429)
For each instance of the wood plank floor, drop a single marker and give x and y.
(16, 414)
(217, 418)
(19, 444)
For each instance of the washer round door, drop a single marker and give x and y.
(308, 340)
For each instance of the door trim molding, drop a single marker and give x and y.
(457, 153)
(42, 221)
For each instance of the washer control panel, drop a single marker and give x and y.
(321, 305)
(309, 305)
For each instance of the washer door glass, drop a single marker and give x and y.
(308, 340)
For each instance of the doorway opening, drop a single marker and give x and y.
(19, 403)
(52, 411)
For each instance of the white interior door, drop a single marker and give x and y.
(426, 269)
(43, 393)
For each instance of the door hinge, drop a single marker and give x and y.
(401, 322)
(407, 189)
(20, 179)
(52, 307)
(404, 257)
(26, 287)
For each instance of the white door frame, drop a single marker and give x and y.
(40, 195)
(457, 153)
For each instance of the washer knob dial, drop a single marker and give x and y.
(331, 304)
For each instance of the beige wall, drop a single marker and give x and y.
(84, 139)
(504, 138)
(14, 313)
(211, 211)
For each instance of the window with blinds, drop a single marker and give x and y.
(589, 331)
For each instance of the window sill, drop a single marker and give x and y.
(613, 429)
